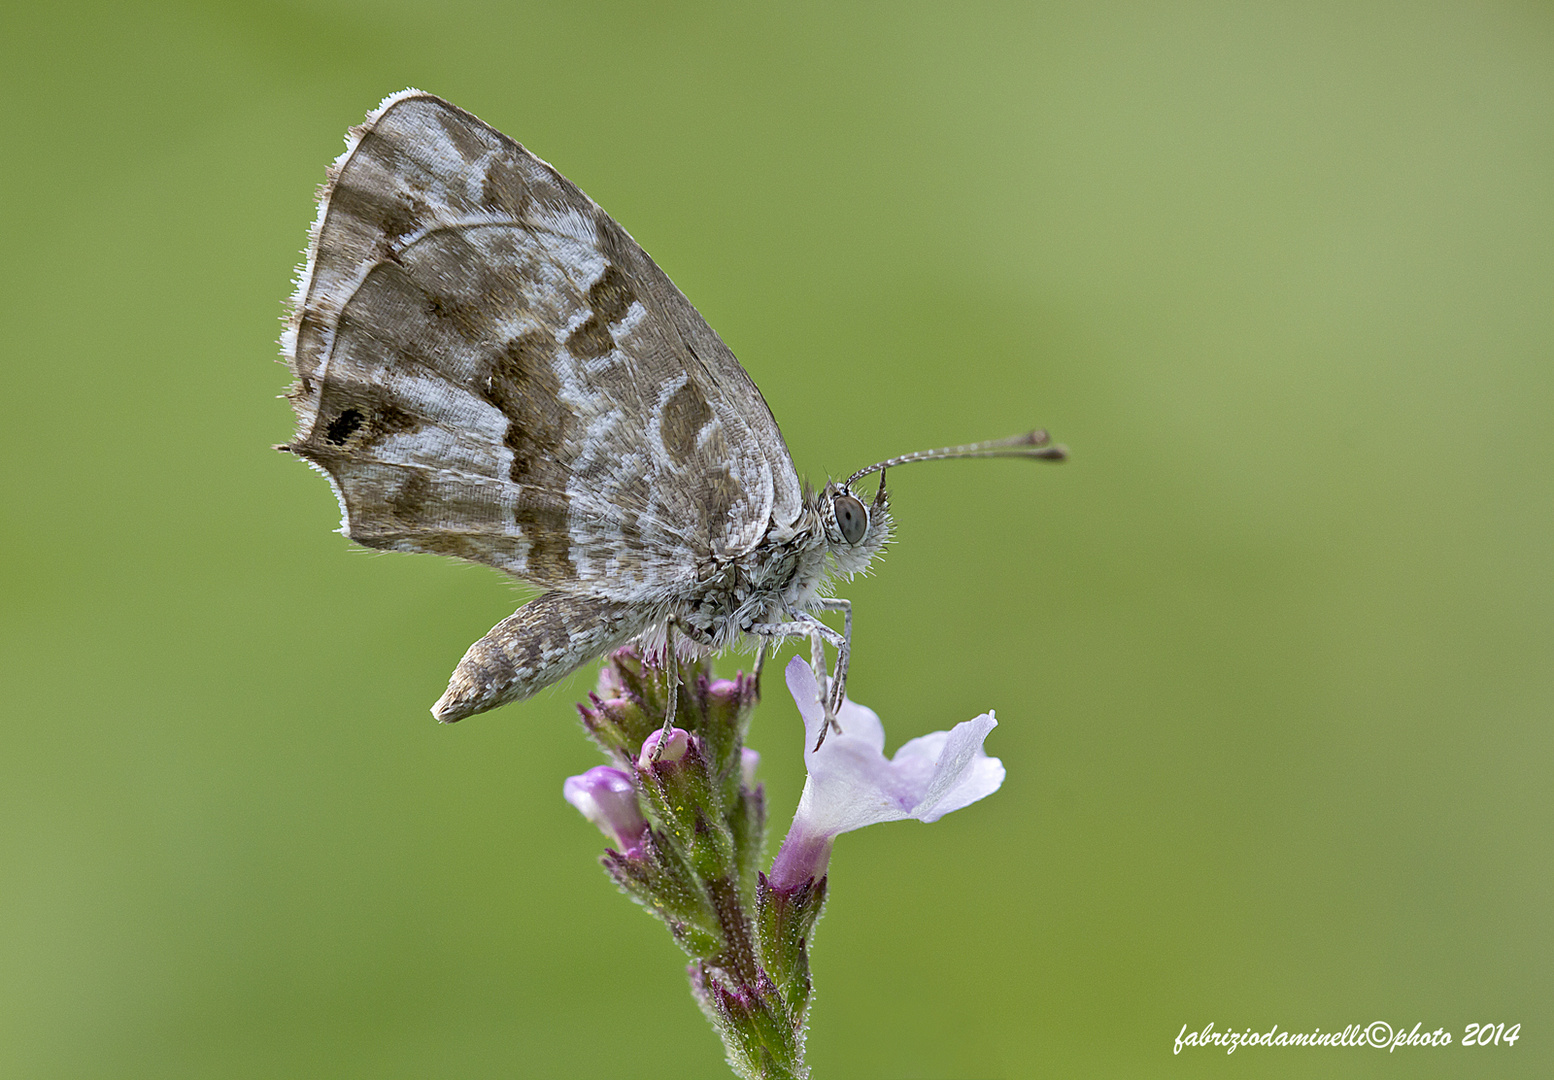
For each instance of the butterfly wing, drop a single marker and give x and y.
(488, 366)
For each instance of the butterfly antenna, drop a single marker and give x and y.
(1032, 444)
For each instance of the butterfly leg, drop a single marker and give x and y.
(760, 662)
(843, 651)
(817, 664)
(830, 696)
(806, 625)
(773, 633)
(672, 669)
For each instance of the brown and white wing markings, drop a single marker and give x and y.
(488, 366)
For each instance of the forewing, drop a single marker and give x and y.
(488, 366)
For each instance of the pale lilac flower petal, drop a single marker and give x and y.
(860, 723)
(851, 783)
(749, 761)
(959, 771)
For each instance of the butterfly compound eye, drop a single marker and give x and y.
(851, 518)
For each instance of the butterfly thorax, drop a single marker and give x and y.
(787, 571)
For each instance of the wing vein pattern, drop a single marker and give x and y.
(488, 366)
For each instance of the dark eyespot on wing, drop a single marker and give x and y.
(343, 426)
(360, 416)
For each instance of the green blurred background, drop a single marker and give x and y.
(1271, 654)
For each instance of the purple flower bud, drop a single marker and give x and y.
(610, 685)
(605, 796)
(725, 690)
(852, 784)
(675, 747)
(749, 761)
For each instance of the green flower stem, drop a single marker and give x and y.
(739, 955)
(697, 868)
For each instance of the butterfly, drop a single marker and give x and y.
(487, 366)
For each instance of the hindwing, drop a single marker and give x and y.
(488, 366)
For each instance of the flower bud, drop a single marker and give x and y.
(606, 797)
(610, 684)
(675, 747)
(731, 694)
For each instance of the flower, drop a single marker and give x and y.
(676, 746)
(605, 797)
(851, 783)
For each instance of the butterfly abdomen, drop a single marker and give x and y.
(545, 640)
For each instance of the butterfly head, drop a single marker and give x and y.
(855, 531)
